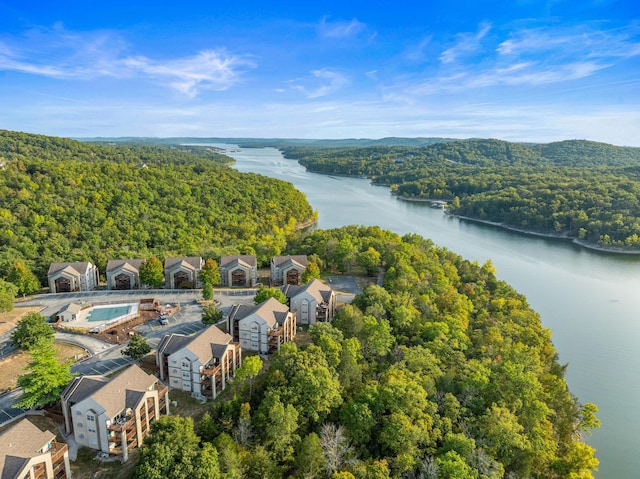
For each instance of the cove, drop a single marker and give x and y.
(589, 300)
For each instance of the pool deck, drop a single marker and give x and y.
(82, 322)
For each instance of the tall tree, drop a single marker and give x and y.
(152, 272)
(171, 450)
(211, 314)
(137, 348)
(251, 367)
(23, 278)
(309, 458)
(311, 272)
(210, 273)
(264, 293)
(8, 292)
(46, 379)
(31, 329)
(207, 292)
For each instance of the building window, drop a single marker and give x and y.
(186, 364)
(90, 417)
(79, 424)
(91, 430)
(186, 374)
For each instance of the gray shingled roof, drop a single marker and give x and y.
(266, 310)
(82, 387)
(80, 267)
(20, 443)
(112, 396)
(201, 345)
(300, 259)
(172, 343)
(126, 264)
(194, 261)
(249, 260)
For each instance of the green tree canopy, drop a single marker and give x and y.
(210, 273)
(31, 329)
(8, 292)
(311, 272)
(211, 314)
(251, 367)
(265, 292)
(152, 272)
(23, 278)
(137, 347)
(47, 376)
(207, 292)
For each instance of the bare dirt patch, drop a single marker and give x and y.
(10, 319)
(13, 365)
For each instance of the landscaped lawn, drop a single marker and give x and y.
(13, 365)
(9, 320)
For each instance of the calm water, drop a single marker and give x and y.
(591, 301)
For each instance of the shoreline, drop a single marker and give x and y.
(305, 224)
(576, 241)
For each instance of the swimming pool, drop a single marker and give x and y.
(105, 313)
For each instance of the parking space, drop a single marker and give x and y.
(345, 284)
(9, 414)
(107, 366)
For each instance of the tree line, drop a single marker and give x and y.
(577, 189)
(63, 200)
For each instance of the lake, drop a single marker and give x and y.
(589, 300)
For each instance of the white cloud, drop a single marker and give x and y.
(340, 29)
(579, 40)
(209, 69)
(465, 43)
(57, 53)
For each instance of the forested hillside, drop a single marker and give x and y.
(576, 189)
(445, 372)
(62, 200)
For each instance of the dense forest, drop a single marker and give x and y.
(443, 373)
(62, 200)
(577, 189)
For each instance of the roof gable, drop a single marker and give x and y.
(112, 396)
(280, 261)
(189, 262)
(246, 259)
(132, 265)
(77, 267)
(19, 443)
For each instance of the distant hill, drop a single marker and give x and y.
(63, 200)
(576, 189)
(278, 142)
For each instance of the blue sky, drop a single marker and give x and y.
(522, 70)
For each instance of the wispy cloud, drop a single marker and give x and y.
(523, 58)
(465, 43)
(83, 56)
(583, 40)
(340, 28)
(322, 83)
(209, 69)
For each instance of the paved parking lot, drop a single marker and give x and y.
(104, 366)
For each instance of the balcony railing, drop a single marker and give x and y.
(58, 449)
(211, 370)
